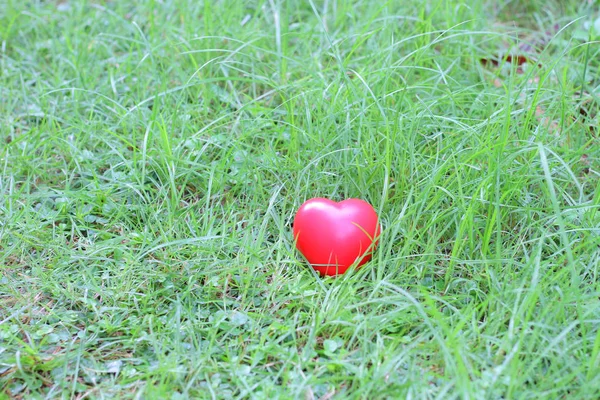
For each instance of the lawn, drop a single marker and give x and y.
(153, 155)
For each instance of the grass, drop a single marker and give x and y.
(153, 155)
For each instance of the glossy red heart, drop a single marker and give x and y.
(332, 236)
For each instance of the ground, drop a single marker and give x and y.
(153, 154)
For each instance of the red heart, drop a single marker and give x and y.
(332, 236)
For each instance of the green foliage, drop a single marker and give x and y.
(153, 154)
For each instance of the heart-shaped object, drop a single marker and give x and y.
(332, 236)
